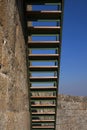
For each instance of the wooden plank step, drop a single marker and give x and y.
(44, 113)
(37, 2)
(43, 15)
(43, 105)
(43, 44)
(44, 30)
(42, 127)
(43, 121)
(43, 97)
(43, 88)
(42, 79)
(43, 68)
(43, 56)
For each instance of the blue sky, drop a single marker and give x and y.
(73, 74)
(73, 70)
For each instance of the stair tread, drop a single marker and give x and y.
(44, 27)
(44, 30)
(31, 12)
(43, 68)
(41, 79)
(43, 1)
(44, 77)
(42, 88)
(43, 44)
(43, 120)
(42, 126)
(44, 113)
(41, 97)
(43, 105)
(42, 15)
(43, 56)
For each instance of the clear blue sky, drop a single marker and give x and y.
(73, 74)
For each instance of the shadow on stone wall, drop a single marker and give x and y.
(21, 6)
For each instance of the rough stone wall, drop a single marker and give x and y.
(72, 113)
(14, 104)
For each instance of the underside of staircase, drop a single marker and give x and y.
(44, 36)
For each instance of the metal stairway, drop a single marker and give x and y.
(44, 60)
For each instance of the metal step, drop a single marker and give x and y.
(43, 97)
(37, 2)
(44, 30)
(43, 68)
(43, 15)
(43, 56)
(42, 127)
(43, 88)
(42, 79)
(44, 121)
(44, 113)
(43, 44)
(43, 105)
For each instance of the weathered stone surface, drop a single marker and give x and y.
(14, 102)
(3, 11)
(3, 121)
(18, 121)
(71, 113)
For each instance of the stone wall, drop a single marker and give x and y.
(72, 113)
(14, 104)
